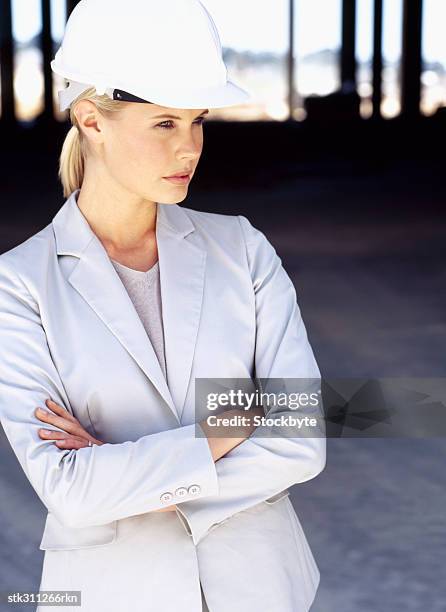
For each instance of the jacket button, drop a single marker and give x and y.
(194, 489)
(181, 492)
(167, 496)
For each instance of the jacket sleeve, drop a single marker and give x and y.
(264, 465)
(93, 485)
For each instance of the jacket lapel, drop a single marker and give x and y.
(182, 261)
(182, 266)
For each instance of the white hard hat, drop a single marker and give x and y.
(165, 52)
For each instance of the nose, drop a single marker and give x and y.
(191, 147)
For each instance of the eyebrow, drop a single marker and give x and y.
(175, 117)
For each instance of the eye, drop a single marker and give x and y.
(167, 125)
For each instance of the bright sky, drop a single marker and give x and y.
(262, 25)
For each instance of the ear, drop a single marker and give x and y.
(90, 121)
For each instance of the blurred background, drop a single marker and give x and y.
(282, 51)
(340, 161)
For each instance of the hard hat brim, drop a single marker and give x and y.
(219, 96)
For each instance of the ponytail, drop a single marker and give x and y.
(72, 156)
(71, 162)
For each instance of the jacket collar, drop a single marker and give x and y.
(73, 233)
(182, 265)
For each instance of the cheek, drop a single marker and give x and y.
(137, 155)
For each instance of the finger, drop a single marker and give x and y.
(60, 410)
(62, 439)
(52, 434)
(49, 417)
(71, 442)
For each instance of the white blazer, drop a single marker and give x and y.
(69, 331)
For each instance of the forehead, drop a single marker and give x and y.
(154, 111)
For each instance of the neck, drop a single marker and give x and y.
(121, 220)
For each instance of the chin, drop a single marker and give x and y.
(173, 199)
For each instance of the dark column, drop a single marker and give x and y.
(7, 60)
(411, 58)
(47, 55)
(291, 59)
(377, 58)
(342, 105)
(348, 59)
(70, 6)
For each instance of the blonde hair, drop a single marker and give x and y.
(72, 157)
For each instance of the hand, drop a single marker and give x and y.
(74, 435)
(222, 438)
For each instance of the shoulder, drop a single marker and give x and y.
(224, 226)
(234, 237)
(211, 222)
(29, 257)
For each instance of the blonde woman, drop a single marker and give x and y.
(112, 313)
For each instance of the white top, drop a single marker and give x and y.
(145, 292)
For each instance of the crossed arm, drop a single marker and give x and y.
(73, 436)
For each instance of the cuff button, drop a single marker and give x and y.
(194, 489)
(181, 492)
(166, 497)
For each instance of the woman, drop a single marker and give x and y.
(113, 314)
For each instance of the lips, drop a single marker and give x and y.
(179, 175)
(178, 180)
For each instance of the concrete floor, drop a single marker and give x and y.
(366, 251)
